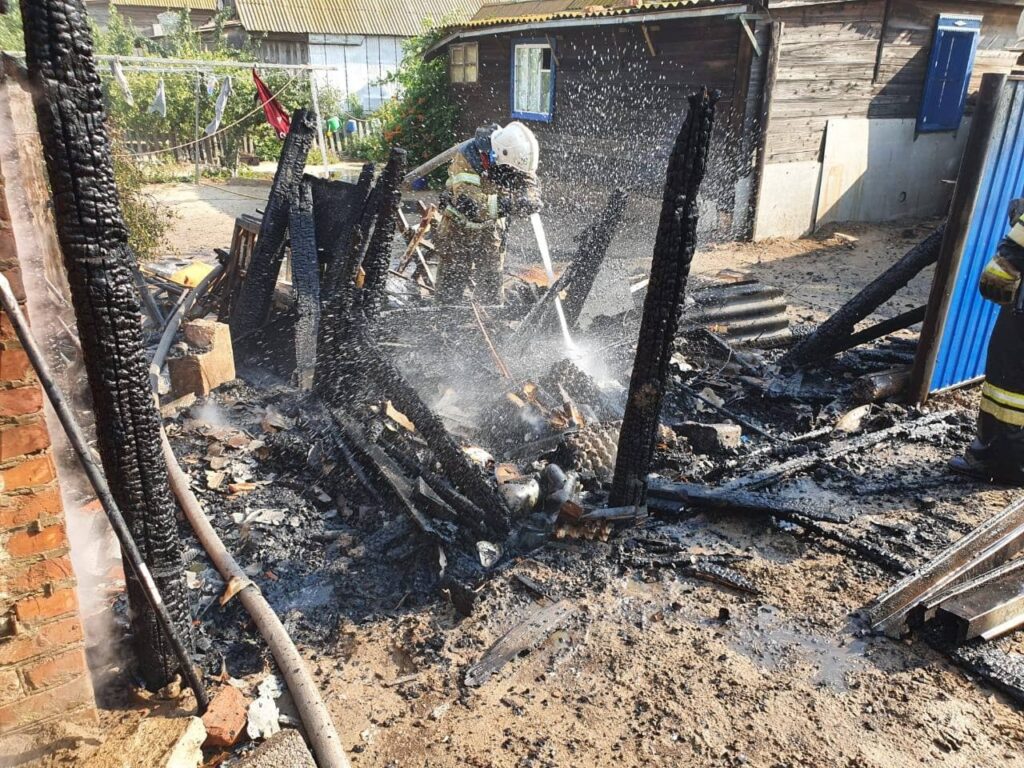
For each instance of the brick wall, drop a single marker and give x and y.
(43, 672)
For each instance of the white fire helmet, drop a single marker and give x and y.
(516, 146)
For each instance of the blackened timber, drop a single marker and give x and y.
(378, 251)
(885, 327)
(257, 292)
(830, 336)
(695, 496)
(306, 282)
(94, 240)
(744, 501)
(577, 280)
(336, 249)
(673, 252)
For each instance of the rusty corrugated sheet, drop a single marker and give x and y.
(397, 18)
(521, 11)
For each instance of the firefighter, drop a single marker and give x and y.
(998, 451)
(492, 177)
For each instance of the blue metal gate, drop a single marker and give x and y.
(954, 341)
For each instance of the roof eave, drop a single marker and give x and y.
(466, 33)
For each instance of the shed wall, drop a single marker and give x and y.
(618, 107)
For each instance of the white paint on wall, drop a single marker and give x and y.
(877, 170)
(362, 62)
(787, 200)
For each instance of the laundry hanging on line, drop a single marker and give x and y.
(122, 82)
(222, 101)
(159, 105)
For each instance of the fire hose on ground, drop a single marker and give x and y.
(316, 718)
(313, 712)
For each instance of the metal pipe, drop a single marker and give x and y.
(315, 716)
(181, 310)
(99, 484)
(433, 163)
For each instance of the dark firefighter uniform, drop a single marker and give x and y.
(479, 196)
(998, 451)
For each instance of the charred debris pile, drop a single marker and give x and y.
(404, 448)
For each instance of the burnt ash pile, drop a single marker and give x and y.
(428, 452)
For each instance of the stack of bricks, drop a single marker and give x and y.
(43, 672)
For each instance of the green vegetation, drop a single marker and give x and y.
(424, 117)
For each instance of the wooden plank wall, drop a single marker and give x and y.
(617, 106)
(828, 56)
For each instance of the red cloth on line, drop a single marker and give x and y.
(272, 108)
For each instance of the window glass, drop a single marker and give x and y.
(463, 62)
(533, 81)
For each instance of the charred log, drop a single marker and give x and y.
(831, 335)
(94, 241)
(578, 279)
(378, 251)
(306, 282)
(257, 292)
(670, 268)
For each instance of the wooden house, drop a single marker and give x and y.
(849, 110)
(147, 15)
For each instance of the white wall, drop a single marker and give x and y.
(363, 60)
(871, 170)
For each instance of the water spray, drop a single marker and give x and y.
(545, 256)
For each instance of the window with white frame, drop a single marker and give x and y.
(463, 62)
(533, 81)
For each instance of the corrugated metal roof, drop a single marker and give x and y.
(169, 5)
(523, 11)
(399, 18)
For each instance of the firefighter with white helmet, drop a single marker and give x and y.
(493, 176)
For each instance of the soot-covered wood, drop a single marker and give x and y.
(670, 268)
(257, 293)
(69, 108)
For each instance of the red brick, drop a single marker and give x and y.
(45, 639)
(14, 365)
(24, 543)
(47, 704)
(26, 507)
(226, 717)
(35, 609)
(20, 439)
(56, 671)
(27, 474)
(20, 401)
(14, 277)
(33, 576)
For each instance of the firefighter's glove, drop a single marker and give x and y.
(522, 202)
(467, 206)
(1000, 282)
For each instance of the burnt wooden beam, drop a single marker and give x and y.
(726, 499)
(673, 252)
(94, 240)
(306, 282)
(257, 292)
(829, 337)
(577, 280)
(378, 252)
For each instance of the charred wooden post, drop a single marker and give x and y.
(306, 282)
(670, 268)
(578, 278)
(94, 241)
(590, 255)
(829, 337)
(378, 251)
(336, 249)
(257, 292)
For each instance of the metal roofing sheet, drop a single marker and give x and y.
(398, 18)
(969, 320)
(520, 11)
(170, 5)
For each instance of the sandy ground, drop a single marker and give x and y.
(652, 668)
